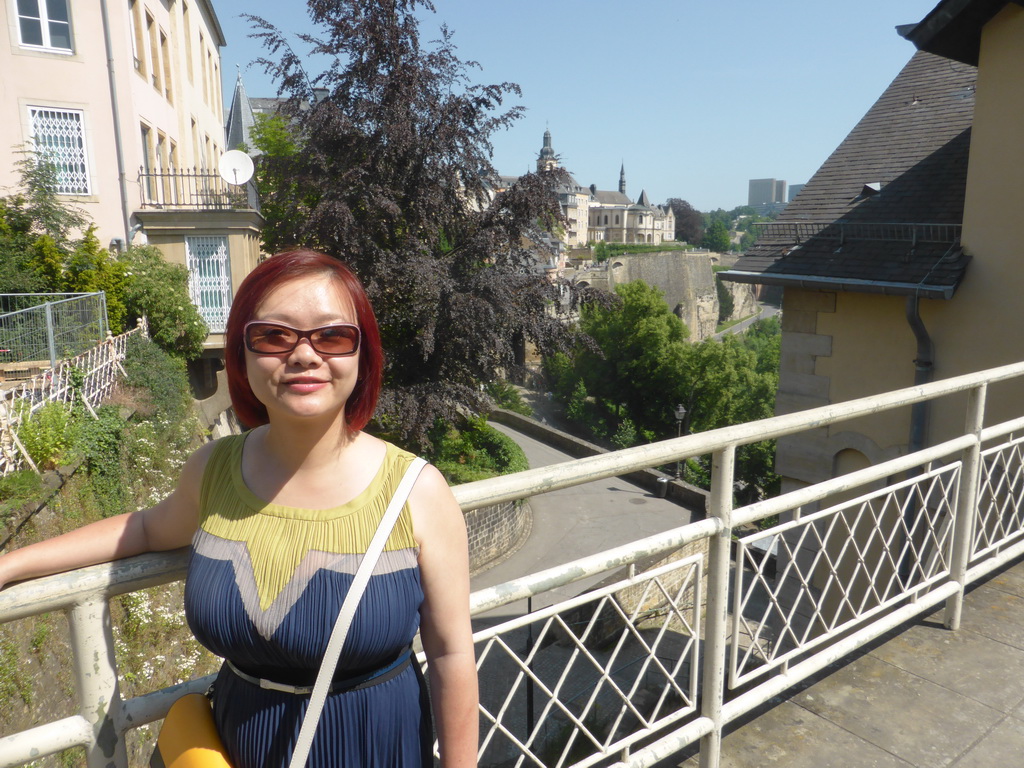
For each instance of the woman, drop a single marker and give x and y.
(278, 517)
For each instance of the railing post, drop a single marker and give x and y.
(50, 341)
(92, 642)
(966, 504)
(717, 625)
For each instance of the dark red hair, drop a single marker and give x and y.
(272, 273)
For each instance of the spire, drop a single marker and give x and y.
(622, 179)
(240, 119)
(546, 160)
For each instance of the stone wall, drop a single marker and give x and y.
(744, 300)
(495, 532)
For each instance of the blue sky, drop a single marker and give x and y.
(695, 97)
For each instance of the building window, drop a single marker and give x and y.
(137, 40)
(45, 23)
(188, 40)
(58, 136)
(209, 279)
(165, 57)
(154, 54)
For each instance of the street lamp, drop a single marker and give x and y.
(680, 414)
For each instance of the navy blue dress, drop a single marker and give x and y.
(264, 587)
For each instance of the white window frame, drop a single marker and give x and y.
(44, 21)
(209, 278)
(78, 156)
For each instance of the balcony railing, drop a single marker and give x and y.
(194, 189)
(797, 232)
(611, 676)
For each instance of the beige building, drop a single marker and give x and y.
(125, 99)
(615, 218)
(593, 215)
(899, 257)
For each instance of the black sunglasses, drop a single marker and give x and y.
(337, 340)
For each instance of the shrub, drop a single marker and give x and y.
(506, 396)
(49, 435)
(163, 378)
(475, 452)
(159, 291)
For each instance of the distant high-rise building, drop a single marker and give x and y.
(794, 190)
(766, 191)
(780, 191)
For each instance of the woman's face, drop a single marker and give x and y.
(303, 384)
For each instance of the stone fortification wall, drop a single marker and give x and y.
(744, 300)
(684, 277)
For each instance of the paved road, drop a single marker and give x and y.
(767, 310)
(575, 522)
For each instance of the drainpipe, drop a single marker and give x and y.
(118, 146)
(924, 372)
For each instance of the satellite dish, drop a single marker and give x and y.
(235, 167)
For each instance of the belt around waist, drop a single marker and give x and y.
(338, 685)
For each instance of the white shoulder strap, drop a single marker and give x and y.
(348, 610)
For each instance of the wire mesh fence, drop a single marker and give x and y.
(38, 329)
(88, 377)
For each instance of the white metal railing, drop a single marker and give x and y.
(611, 676)
(89, 376)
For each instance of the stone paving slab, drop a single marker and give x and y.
(1002, 747)
(899, 712)
(964, 662)
(1000, 613)
(791, 736)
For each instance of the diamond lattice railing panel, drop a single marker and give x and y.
(583, 679)
(1000, 498)
(803, 583)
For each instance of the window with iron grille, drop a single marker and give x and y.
(209, 278)
(58, 136)
(45, 24)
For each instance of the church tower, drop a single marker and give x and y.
(622, 179)
(546, 160)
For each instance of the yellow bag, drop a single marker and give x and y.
(189, 738)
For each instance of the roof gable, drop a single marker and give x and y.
(953, 28)
(883, 212)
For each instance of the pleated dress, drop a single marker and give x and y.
(264, 587)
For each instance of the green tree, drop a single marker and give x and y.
(716, 237)
(638, 342)
(159, 291)
(91, 268)
(35, 230)
(392, 172)
(278, 144)
(639, 366)
(689, 222)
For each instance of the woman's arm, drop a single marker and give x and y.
(168, 525)
(445, 626)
